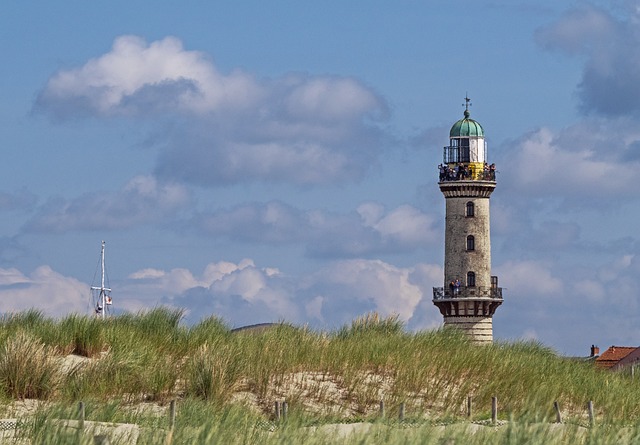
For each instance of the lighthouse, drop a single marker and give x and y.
(470, 294)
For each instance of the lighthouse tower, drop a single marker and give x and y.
(470, 295)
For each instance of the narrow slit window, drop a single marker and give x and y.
(471, 243)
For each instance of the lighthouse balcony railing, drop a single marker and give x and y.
(466, 174)
(444, 293)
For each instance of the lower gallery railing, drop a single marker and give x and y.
(444, 293)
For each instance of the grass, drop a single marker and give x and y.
(325, 377)
(27, 367)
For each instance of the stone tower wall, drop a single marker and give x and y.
(479, 329)
(458, 260)
(471, 309)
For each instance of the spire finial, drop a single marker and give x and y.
(467, 104)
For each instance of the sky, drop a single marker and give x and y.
(277, 161)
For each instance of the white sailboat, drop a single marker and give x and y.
(101, 295)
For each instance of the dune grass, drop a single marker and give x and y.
(324, 376)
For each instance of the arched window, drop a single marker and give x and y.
(471, 243)
(471, 279)
(470, 209)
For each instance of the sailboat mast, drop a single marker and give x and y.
(102, 293)
(103, 298)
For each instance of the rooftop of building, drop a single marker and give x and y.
(613, 355)
(466, 127)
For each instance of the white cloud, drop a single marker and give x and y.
(531, 278)
(579, 30)
(44, 290)
(591, 160)
(366, 285)
(372, 229)
(136, 77)
(243, 293)
(232, 291)
(227, 128)
(404, 224)
(142, 200)
(611, 46)
(328, 99)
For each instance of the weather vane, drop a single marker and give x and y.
(467, 103)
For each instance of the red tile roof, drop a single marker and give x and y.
(613, 355)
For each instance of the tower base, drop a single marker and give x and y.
(478, 329)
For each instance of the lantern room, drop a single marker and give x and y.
(466, 152)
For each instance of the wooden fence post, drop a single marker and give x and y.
(494, 410)
(172, 414)
(81, 415)
(285, 410)
(556, 406)
(591, 416)
(469, 406)
(382, 408)
(277, 409)
(401, 414)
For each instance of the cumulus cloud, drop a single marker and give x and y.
(244, 293)
(536, 294)
(372, 284)
(271, 222)
(588, 299)
(589, 161)
(142, 200)
(239, 293)
(227, 128)
(405, 225)
(611, 48)
(531, 278)
(371, 229)
(44, 290)
(136, 78)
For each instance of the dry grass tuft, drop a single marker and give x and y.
(28, 369)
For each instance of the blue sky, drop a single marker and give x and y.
(268, 161)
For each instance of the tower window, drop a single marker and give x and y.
(471, 209)
(471, 279)
(471, 243)
(464, 150)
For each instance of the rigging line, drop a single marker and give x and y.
(93, 300)
(95, 273)
(106, 277)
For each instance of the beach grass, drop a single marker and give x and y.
(218, 376)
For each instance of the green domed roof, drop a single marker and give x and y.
(466, 127)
